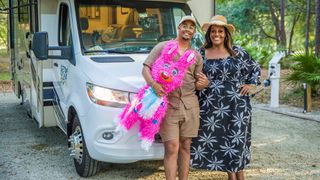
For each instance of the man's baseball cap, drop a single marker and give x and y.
(187, 18)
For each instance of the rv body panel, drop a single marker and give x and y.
(109, 42)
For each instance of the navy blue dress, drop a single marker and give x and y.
(224, 138)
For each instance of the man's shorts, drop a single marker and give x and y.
(180, 122)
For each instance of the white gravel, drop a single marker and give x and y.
(283, 148)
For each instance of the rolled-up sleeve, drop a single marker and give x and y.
(154, 54)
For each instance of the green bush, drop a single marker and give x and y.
(262, 52)
(305, 69)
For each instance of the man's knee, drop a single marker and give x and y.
(171, 147)
(185, 144)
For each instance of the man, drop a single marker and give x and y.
(181, 122)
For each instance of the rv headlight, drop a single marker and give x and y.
(107, 97)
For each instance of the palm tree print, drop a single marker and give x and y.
(224, 137)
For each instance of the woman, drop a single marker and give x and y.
(224, 136)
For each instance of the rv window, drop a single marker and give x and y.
(127, 27)
(23, 14)
(64, 26)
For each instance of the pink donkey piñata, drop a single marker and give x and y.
(146, 107)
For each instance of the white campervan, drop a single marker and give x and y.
(76, 63)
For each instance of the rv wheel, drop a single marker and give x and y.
(84, 164)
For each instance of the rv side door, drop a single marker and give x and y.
(61, 67)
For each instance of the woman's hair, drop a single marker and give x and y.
(228, 41)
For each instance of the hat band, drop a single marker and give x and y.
(218, 21)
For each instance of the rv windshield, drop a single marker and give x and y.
(129, 26)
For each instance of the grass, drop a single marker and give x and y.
(4, 71)
(4, 53)
(4, 76)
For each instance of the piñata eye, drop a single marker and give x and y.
(175, 71)
(167, 66)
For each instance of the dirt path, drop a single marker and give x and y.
(283, 148)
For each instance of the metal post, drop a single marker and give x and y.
(304, 97)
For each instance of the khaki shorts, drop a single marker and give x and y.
(180, 123)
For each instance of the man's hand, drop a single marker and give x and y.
(202, 81)
(158, 89)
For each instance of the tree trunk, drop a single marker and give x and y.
(317, 26)
(307, 28)
(294, 22)
(275, 21)
(317, 35)
(283, 39)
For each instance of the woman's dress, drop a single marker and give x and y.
(224, 138)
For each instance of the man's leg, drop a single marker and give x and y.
(184, 158)
(171, 148)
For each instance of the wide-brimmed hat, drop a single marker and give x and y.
(220, 21)
(187, 18)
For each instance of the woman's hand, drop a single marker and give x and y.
(158, 89)
(202, 81)
(245, 89)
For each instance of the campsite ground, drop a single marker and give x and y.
(283, 147)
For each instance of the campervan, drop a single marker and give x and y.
(76, 63)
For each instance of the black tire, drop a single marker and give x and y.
(87, 166)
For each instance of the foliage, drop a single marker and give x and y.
(260, 52)
(4, 71)
(306, 69)
(3, 31)
(253, 17)
(4, 76)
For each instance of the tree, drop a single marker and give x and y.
(307, 28)
(317, 28)
(266, 19)
(282, 35)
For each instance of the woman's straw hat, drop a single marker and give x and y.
(220, 21)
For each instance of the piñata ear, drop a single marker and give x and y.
(187, 59)
(172, 49)
(169, 51)
(190, 57)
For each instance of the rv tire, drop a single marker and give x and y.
(87, 166)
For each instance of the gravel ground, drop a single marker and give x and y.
(283, 148)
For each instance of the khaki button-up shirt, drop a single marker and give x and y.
(185, 93)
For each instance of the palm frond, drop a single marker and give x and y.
(306, 69)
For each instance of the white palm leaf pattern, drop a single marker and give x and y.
(211, 123)
(207, 139)
(215, 164)
(198, 152)
(224, 137)
(229, 149)
(233, 94)
(222, 110)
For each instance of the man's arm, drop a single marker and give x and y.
(146, 70)
(201, 79)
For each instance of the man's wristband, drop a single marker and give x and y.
(153, 83)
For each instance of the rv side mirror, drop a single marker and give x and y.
(40, 45)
